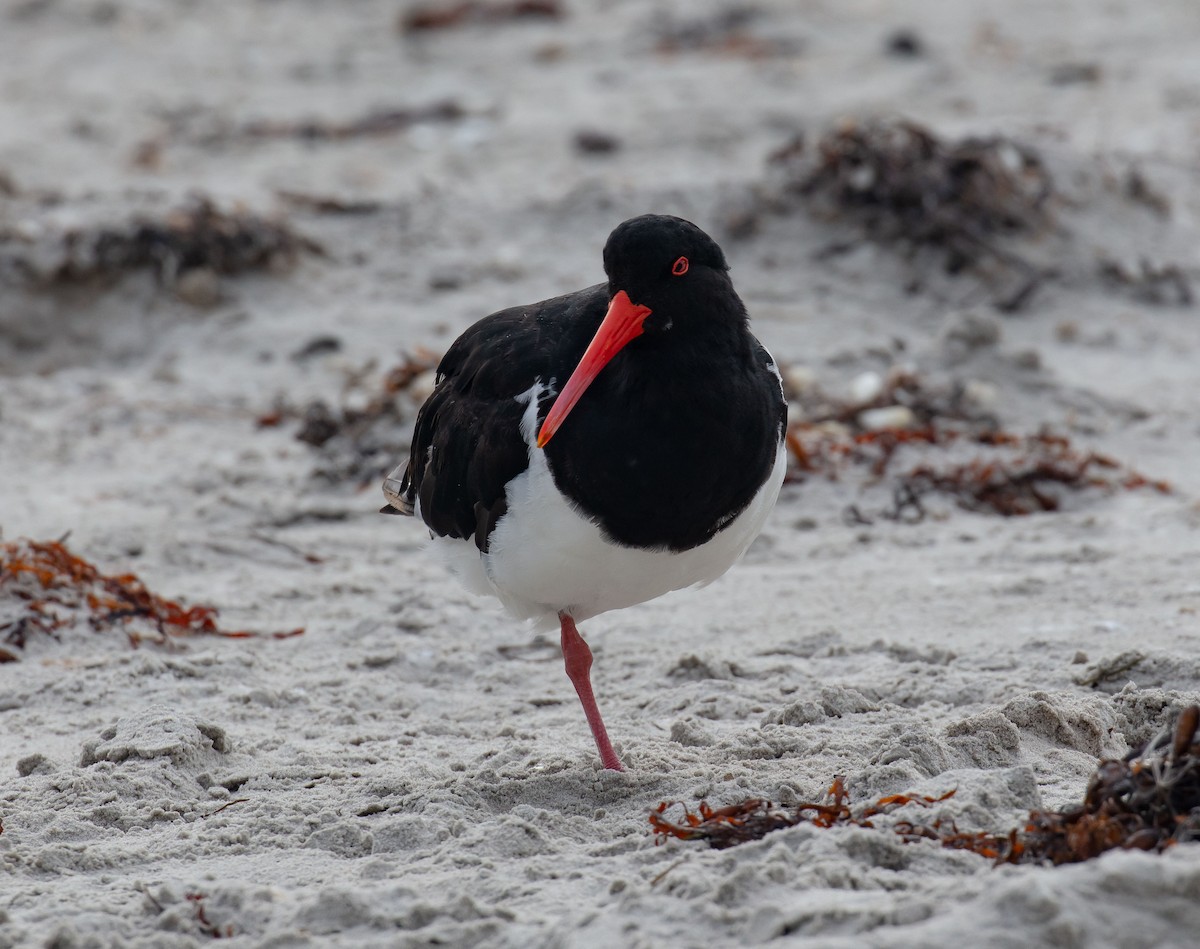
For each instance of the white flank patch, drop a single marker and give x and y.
(544, 556)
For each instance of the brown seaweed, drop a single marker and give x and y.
(1149, 800)
(51, 588)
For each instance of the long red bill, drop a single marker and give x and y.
(622, 323)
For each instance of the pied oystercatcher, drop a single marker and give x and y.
(604, 447)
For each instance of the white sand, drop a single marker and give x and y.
(414, 769)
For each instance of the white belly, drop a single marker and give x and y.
(544, 556)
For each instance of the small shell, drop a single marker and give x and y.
(888, 417)
(866, 387)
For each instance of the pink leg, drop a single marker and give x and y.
(578, 660)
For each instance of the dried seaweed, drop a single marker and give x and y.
(905, 43)
(1019, 475)
(1075, 73)
(196, 237)
(900, 183)
(206, 130)
(208, 928)
(1149, 282)
(441, 16)
(327, 204)
(828, 451)
(1010, 474)
(1137, 188)
(45, 588)
(595, 142)
(754, 818)
(1150, 800)
(902, 410)
(361, 441)
(370, 125)
(924, 404)
(903, 182)
(321, 422)
(727, 32)
(1031, 479)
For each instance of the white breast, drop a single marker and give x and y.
(544, 556)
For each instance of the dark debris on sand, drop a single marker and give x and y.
(198, 237)
(373, 124)
(361, 444)
(424, 17)
(902, 184)
(736, 30)
(1150, 800)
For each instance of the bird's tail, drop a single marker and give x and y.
(395, 490)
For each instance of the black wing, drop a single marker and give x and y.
(467, 443)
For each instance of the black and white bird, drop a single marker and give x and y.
(601, 448)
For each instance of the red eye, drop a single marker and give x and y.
(679, 268)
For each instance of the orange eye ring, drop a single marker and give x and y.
(680, 267)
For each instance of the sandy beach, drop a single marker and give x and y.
(234, 238)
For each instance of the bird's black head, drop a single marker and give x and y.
(671, 266)
(669, 288)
